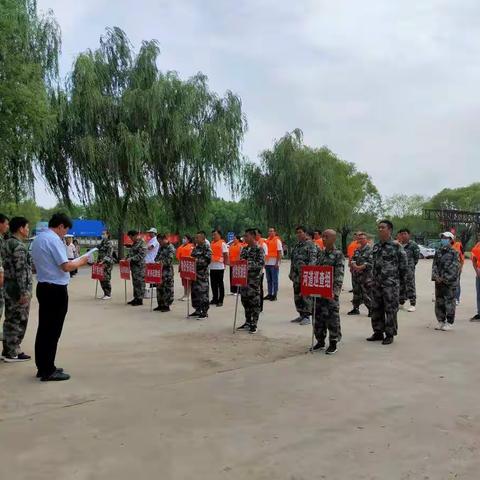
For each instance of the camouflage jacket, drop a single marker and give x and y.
(2, 246)
(303, 253)
(17, 264)
(255, 257)
(165, 256)
(203, 255)
(137, 253)
(363, 256)
(389, 264)
(413, 253)
(446, 266)
(335, 259)
(105, 251)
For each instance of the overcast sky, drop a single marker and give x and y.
(391, 86)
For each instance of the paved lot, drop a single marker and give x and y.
(159, 396)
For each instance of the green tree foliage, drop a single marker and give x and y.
(463, 198)
(29, 49)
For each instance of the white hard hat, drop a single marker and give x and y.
(152, 230)
(449, 235)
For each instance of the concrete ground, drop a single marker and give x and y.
(158, 396)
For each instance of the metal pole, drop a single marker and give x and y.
(313, 322)
(151, 298)
(236, 308)
(96, 289)
(188, 298)
(125, 292)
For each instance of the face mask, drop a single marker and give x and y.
(445, 242)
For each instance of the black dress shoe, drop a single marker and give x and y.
(39, 375)
(130, 302)
(354, 311)
(213, 302)
(273, 298)
(245, 326)
(137, 302)
(267, 297)
(317, 346)
(56, 376)
(376, 337)
(387, 341)
(219, 304)
(194, 314)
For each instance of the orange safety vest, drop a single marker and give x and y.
(476, 253)
(352, 247)
(459, 248)
(272, 247)
(184, 250)
(234, 252)
(217, 254)
(319, 242)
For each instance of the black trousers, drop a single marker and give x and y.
(218, 288)
(52, 309)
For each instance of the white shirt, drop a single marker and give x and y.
(71, 251)
(272, 261)
(220, 265)
(152, 252)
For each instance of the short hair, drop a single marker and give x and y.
(161, 236)
(386, 222)
(132, 233)
(310, 233)
(272, 228)
(317, 230)
(3, 218)
(301, 227)
(188, 237)
(202, 232)
(361, 233)
(216, 230)
(60, 219)
(251, 231)
(257, 231)
(238, 237)
(404, 230)
(16, 223)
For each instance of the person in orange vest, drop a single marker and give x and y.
(351, 249)
(272, 263)
(317, 238)
(261, 243)
(234, 251)
(476, 267)
(185, 250)
(217, 267)
(461, 252)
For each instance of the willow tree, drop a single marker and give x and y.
(29, 49)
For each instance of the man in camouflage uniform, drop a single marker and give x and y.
(17, 289)
(304, 252)
(105, 257)
(389, 270)
(165, 256)
(251, 294)
(445, 272)
(361, 268)
(3, 232)
(136, 255)
(327, 310)
(200, 287)
(409, 291)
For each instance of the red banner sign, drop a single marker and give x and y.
(124, 269)
(317, 280)
(188, 268)
(153, 273)
(239, 273)
(98, 271)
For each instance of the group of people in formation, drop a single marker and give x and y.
(383, 278)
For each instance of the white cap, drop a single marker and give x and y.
(68, 235)
(152, 230)
(449, 235)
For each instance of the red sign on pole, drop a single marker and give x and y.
(153, 273)
(317, 280)
(239, 273)
(98, 271)
(188, 268)
(124, 269)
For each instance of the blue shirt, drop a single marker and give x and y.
(48, 253)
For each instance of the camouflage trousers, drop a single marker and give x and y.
(14, 326)
(251, 301)
(408, 290)
(200, 291)
(106, 283)
(327, 317)
(165, 291)
(385, 303)
(445, 302)
(361, 291)
(138, 281)
(302, 304)
(1, 310)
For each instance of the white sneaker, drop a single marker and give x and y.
(106, 297)
(401, 307)
(182, 299)
(457, 302)
(148, 293)
(440, 326)
(412, 308)
(447, 327)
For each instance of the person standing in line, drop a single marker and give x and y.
(317, 238)
(105, 257)
(390, 271)
(409, 291)
(272, 263)
(4, 223)
(203, 256)
(476, 268)
(217, 267)
(351, 248)
(361, 267)
(458, 246)
(233, 256)
(53, 268)
(445, 271)
(71, 251)
(136, 255)
(262, 243)
(18, 290)
(165, 256)
(152, 250)
(303, 253)
(185, 250)
(327, 311)
(250, 293)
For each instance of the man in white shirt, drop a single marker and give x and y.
(217, 267)
(71, 251)
(152, 250)
(273, 258)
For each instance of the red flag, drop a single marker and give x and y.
(153, 273)
(124, 269)
(188, 268)
(239, 273)
(98, 271)
(317, 280)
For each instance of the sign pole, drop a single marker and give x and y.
(236, 308)
(125, 292)
(151, 298)
(313, 322)
(96, 289)
(188, 297)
